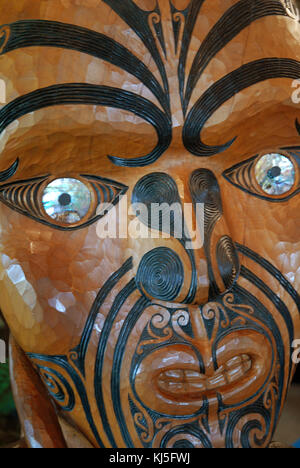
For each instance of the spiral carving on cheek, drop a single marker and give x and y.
(160, 274)
(228, 261)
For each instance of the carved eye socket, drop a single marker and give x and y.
(270, 177)
(275, 174)
(67, 200)
(63, 203)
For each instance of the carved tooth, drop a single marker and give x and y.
(177, 374)
(245, 357)
(173, 387)
(196, 386)
(216, 381)
(247, 365)
(176, 387)
(236, 361)
(193, 375)
(234, 374)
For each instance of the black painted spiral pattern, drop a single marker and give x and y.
(156, 188)
(160, 274)
(205, 189)
(58, 387)
(228, 261)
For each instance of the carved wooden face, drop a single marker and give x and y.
(153, 341)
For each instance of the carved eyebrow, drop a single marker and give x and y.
(42, 33)
(8, 173)
(224, 89)
(139, 21)
(191, 15)
(88, 94)
(238, 17)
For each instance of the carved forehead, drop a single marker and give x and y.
(180, 61)
(48, 9)
(158, 16)
(174, 29)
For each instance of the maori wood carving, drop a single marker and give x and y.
(150, 341)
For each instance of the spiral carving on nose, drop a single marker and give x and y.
(157, 188)
(205, 189)
(228, 261)
(160, 274)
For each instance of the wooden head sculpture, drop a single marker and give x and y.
(146, 336)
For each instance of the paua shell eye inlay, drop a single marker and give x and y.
(66, 200)
(275, 173)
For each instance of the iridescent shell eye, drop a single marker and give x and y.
(66, 201)
(275, 173)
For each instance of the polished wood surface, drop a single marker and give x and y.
(37, 415)
(143, 342)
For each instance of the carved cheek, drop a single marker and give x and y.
(50, 279)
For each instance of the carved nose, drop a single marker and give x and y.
(218, 248)
(185, 275)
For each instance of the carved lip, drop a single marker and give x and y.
(191, 383)
(173, 380)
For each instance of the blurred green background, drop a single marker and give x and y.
(9, 425)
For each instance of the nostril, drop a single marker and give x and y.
(228, 261)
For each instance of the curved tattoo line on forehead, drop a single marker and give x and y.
(191, 15)
(224, 89)
(139, 21)
(87, 94)
(33, 33)
(233, 22)
(30, 33)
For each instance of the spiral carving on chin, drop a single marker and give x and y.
(160, 274)
(228, 261)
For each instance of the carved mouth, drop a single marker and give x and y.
(173, 380)
(191, 383)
